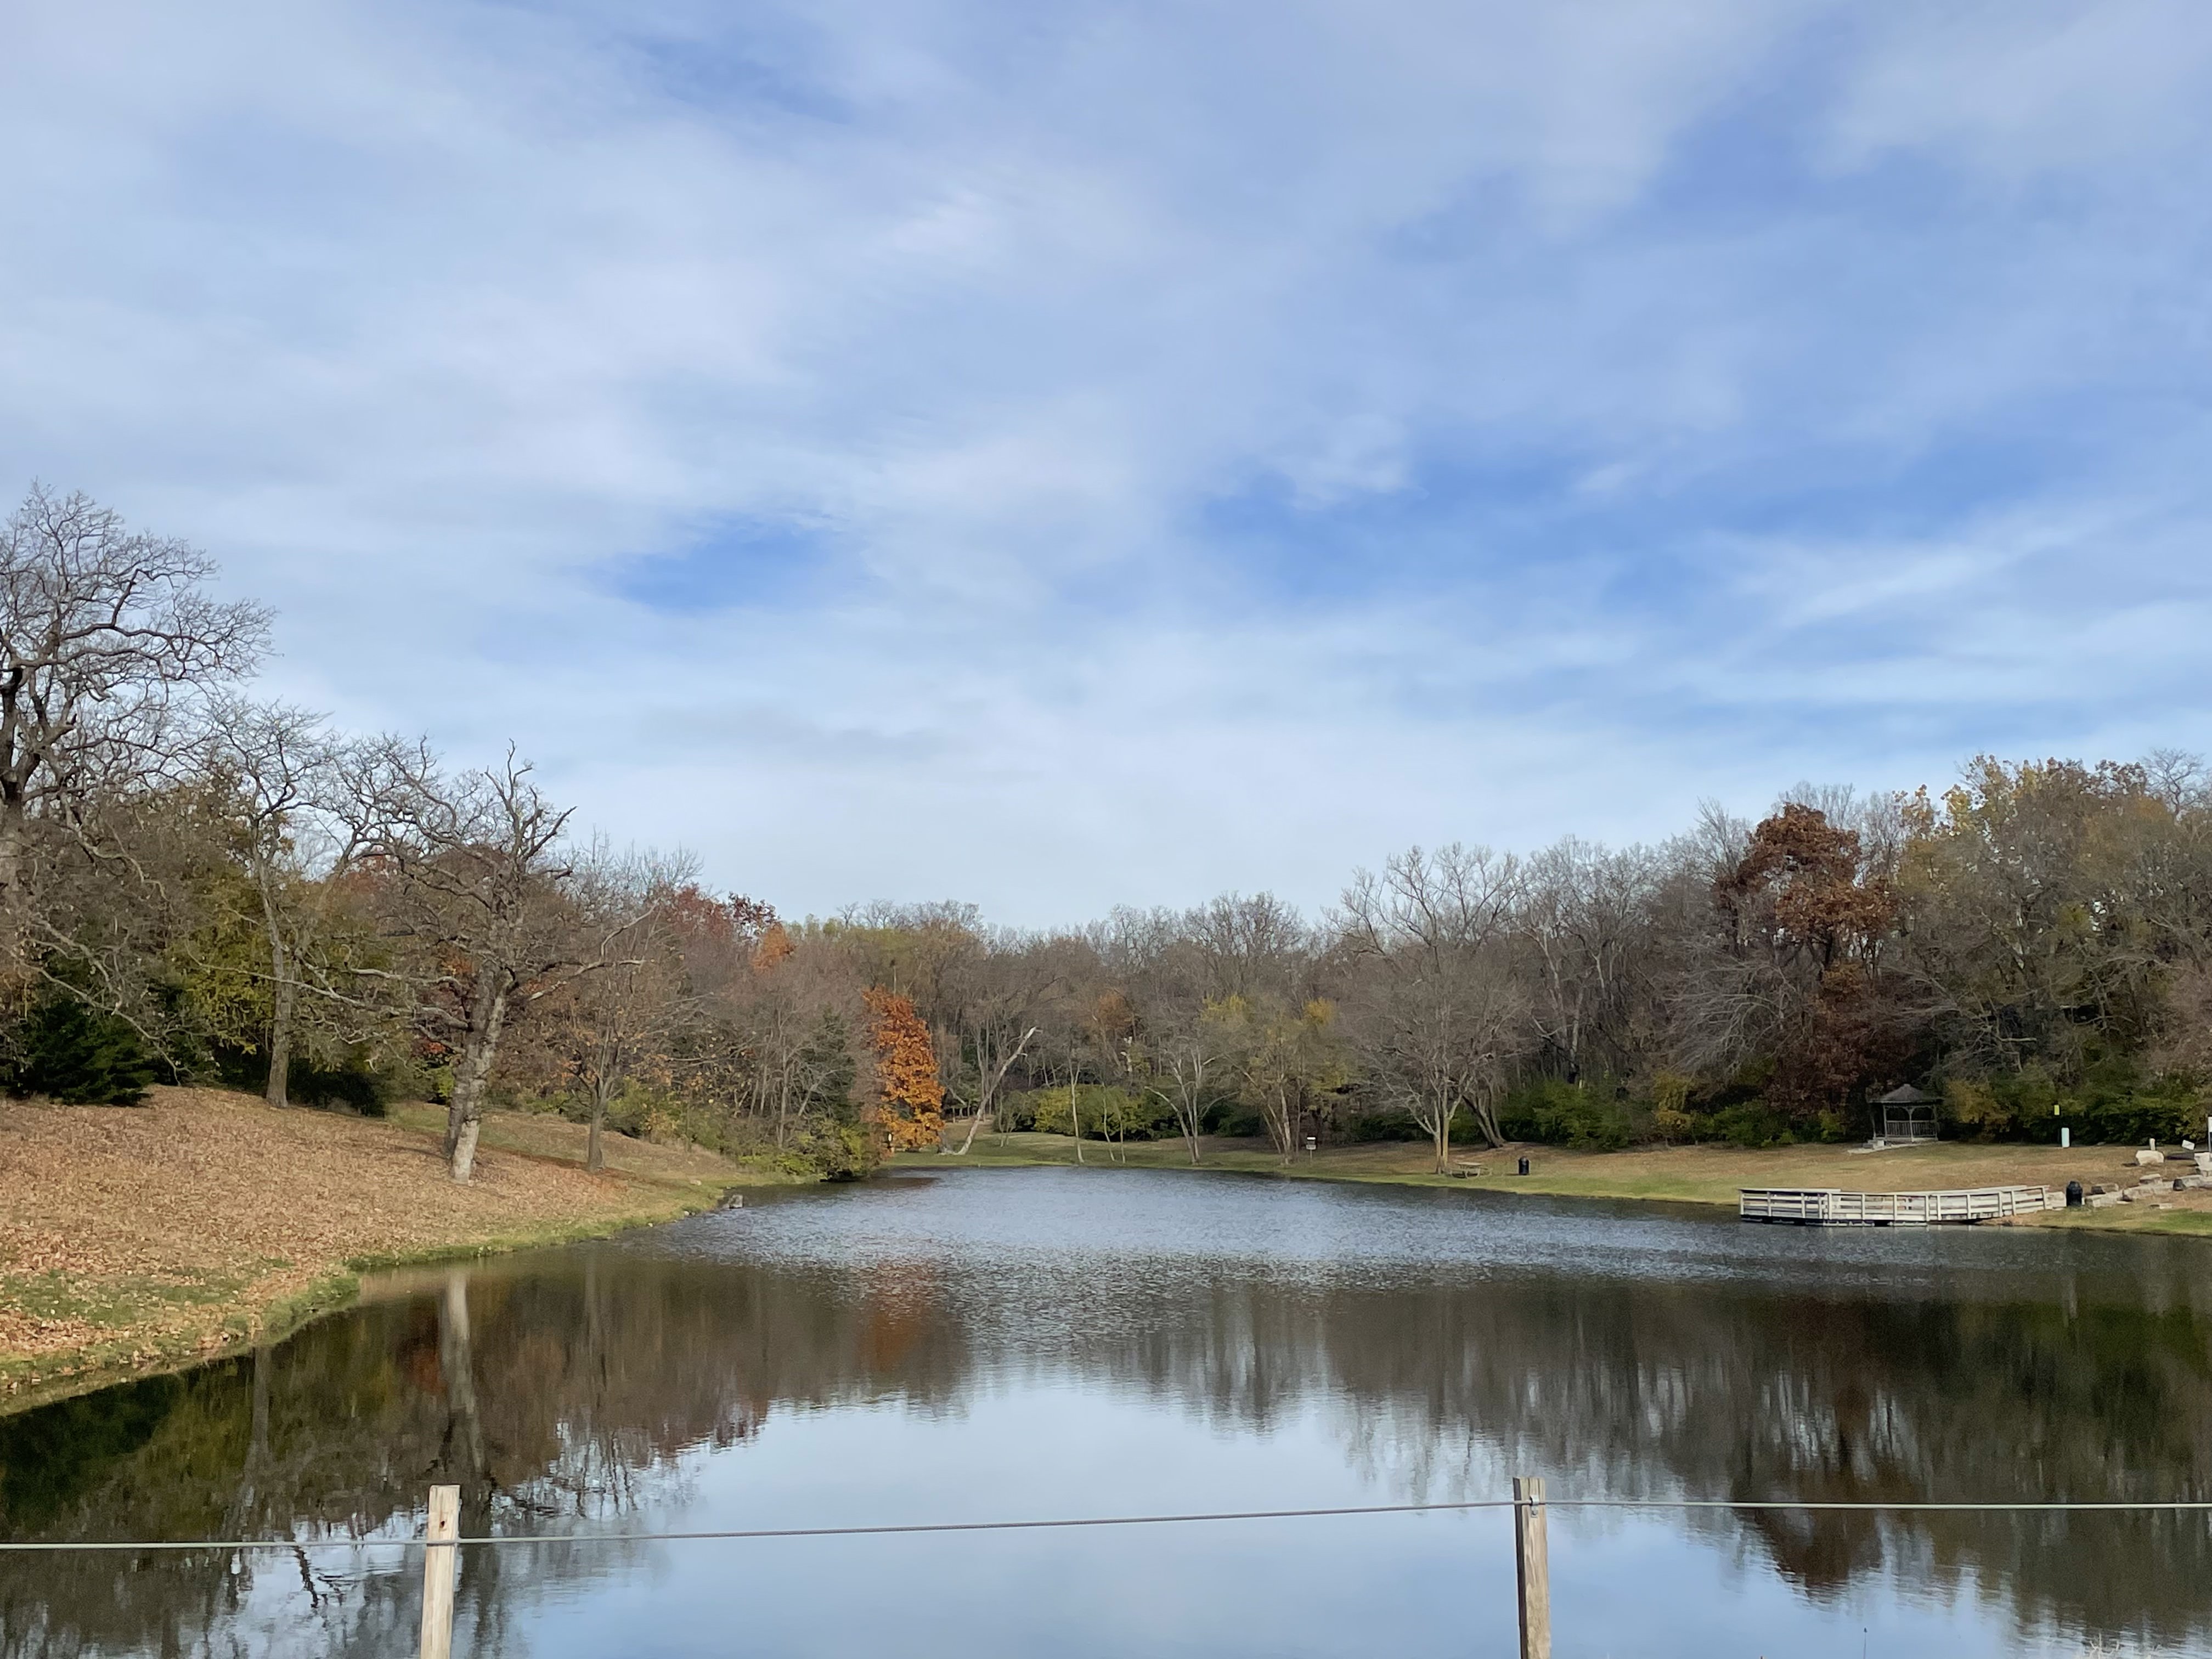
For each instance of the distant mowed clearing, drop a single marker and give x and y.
(1683, 1175)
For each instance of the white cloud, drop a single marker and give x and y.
(2067, 87)
(430, 319)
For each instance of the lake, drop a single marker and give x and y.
(1015, 1343)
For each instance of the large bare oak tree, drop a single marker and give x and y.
(103, 631)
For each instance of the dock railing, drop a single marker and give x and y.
(1833, 1206)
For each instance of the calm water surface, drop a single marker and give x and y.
(1001, 1344)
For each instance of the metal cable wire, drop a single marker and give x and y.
(904, 1528)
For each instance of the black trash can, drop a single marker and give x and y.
(2073, 1194)
(1524, 1166)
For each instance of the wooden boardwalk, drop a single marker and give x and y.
(1831, 1206)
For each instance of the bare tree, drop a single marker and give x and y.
(1435, 1016)
(1281, 1056)
(1584, 915)
(621, 1014)
(997, 1045)
(479, 884)
(1248, 947)
(794, 1015)
(283, 780)
(102, 630)
(1002, 995)
(1179, 1060)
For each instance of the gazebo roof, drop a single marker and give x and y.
(1907, 1095)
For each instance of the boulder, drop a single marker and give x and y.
(2150, 1155)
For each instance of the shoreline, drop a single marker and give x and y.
(246, 1326)
(140, 1241)
(1708, 1176)
(118, 1280)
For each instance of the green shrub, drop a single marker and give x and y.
(1235, 1118)
(1567, 1115)
(1013, 1111)
(1751, 1124)
(2127, 1117)
(1122, 1114)
(1829, 1126)
(353, 1083)
(841, 1151)
(1385, 1123)
(2113, 1103)
(1972, 1109)
(80, 1055)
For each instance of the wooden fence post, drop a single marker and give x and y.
(442, 1566)
(1531, 1565)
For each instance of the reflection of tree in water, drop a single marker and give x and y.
(562, 1393)
(1640, 1389)
(550, 1402)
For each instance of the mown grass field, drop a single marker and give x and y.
(1683, 1175)
(135, 1237)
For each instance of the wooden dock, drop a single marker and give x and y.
(1831, 1206)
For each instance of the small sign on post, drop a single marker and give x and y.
(441, 1567)
(1531, 1565)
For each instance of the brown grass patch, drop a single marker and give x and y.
(132, 1236)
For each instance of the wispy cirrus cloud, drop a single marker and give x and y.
(1110, 453)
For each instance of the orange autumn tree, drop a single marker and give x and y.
(910, 1101)
(775, 947)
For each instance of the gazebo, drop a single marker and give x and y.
(1907, 1115)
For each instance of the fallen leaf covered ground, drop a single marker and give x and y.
(137, 1236)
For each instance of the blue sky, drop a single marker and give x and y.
(1058, 456)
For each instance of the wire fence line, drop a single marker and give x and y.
(1903, 1506)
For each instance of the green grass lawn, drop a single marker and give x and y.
(1685, 1174)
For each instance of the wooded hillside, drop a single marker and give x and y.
(195, 886)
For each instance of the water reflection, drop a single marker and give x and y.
(1358, 1344)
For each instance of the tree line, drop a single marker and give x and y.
(200, 885)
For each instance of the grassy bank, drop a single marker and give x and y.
(137, 1239)
(1681, 1175)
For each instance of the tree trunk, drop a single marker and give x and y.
(14, 835)
(1278, 1121)
(1483, 1110)
(1189, 1116)
(465, 1117)
(989, 1080)
(973, 1123)
(602, 1092)
(982, 1096)
(282, 1008)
